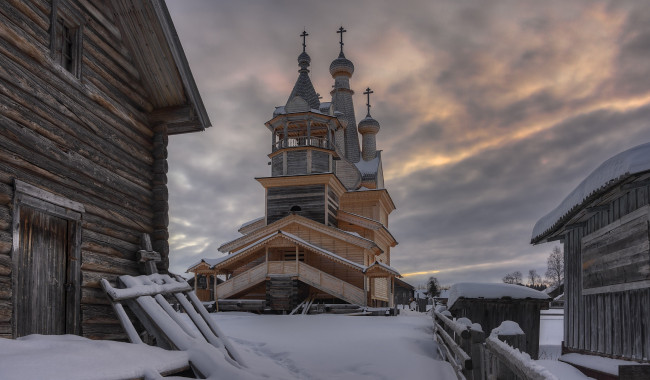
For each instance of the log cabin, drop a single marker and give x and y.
(324, 233)
(604, 225)
(90, 91)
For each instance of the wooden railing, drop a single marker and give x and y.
(474, 357)
(305, 273)
(461, 346)
(242, 281)
(318, 142)
(331, 284)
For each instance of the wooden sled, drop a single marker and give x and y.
(210, 352)
(146, 296)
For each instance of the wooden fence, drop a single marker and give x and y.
(474, 357)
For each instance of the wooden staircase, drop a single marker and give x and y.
(281, 293)
(282, 289)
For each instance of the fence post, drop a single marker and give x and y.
(511, 333)
(477, 339)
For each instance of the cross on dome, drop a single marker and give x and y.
(368, 92)
(341, 31)
(304, 37)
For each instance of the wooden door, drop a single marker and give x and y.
(41, 273)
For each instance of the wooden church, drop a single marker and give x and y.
(324, 233)
(90, 91)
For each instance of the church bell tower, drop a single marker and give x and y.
(303, 151)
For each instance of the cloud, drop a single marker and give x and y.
(490, 115)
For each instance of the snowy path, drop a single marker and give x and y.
(337, 346)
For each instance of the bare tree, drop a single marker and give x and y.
(534, 279)
(555, 266)
(512, 278)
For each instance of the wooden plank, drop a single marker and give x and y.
(69, 90)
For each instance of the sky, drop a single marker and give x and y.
(491, 112)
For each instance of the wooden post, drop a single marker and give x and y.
(285, 138)
(196, 280)
(517, 341)
(216, 297)
(477, 353)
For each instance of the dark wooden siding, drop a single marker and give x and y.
(42, 260)
(490, 313)
(614, 323)
(85, 139)
(320, 162)
(276, 165)
(332, 208)
(296, 162)
(311, 200)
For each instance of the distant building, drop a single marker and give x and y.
(324, 234)
(404, 292)
(603, 224)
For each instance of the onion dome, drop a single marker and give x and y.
(368, 126)
(304, 60)
(341, 66)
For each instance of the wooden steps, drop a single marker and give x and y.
(281, 293)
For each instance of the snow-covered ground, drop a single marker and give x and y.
(272, 346)
(551, 331)
(338, 346)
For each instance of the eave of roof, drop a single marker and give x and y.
(364, 222)
(243, 252)
(610, 174)
(293, 218)
(149, 33)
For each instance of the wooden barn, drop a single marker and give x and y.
(604, 226)
(404, 292)
(491, 304)
(90, 92)
(323, 236)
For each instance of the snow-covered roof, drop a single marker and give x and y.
(491, 291)
(214, 262)
(369, 167)
(211, 262)
(251, 222)
(629, 162)
(386, 267)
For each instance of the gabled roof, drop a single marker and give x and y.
(606, 176)
(381, 267)
(255, 245)
(279, 224)
(364, 222)
(148, 32)
(251, 225)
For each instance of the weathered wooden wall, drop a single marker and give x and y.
(332, 207)
(87, 139)
(320, 161)
(614, 322)
(490, 314)
(311, 200)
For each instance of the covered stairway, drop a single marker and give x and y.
(295, 270)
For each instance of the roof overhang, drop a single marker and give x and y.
(239, 243)
(149, 33)
(367, 223)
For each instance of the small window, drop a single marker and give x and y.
(66, 41)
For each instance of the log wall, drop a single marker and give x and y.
(311, 199)
(612, 322)
(86, 139)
